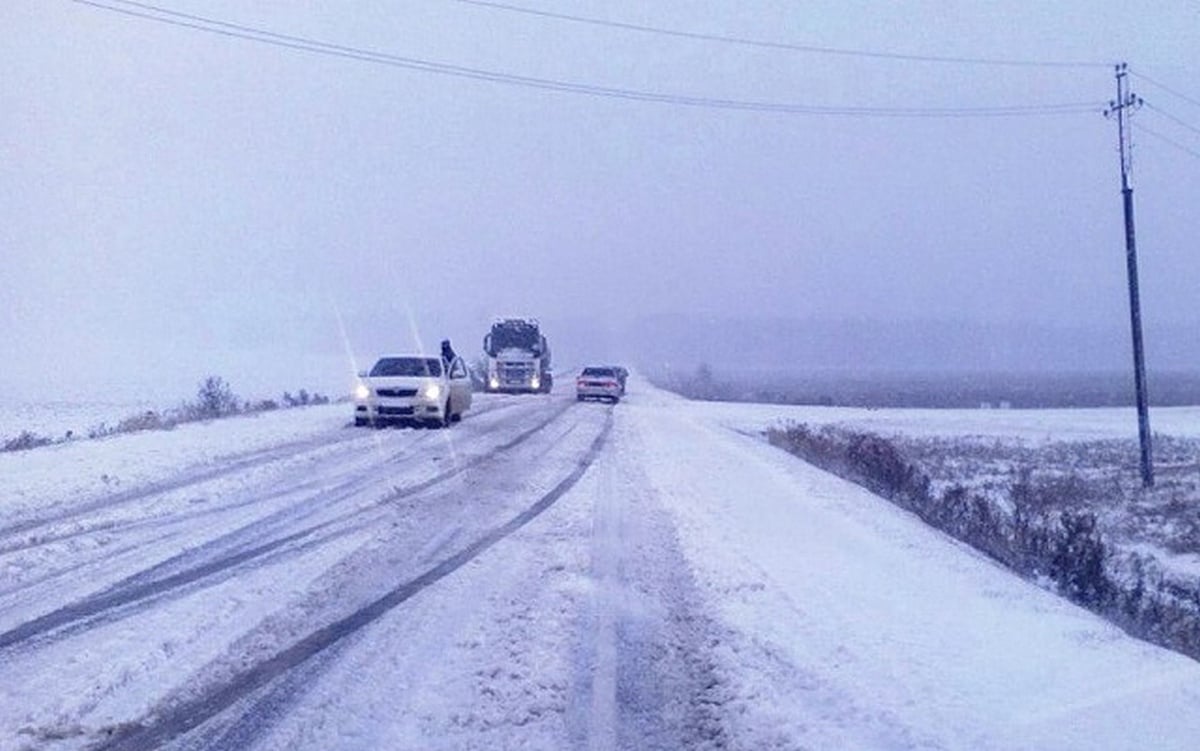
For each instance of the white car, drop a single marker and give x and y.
(413, 390)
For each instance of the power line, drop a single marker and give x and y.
(224, 28)
(1164, 87)
(1172, 118)
(765, 44)
(1166, 140)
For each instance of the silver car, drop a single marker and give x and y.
(599, 382)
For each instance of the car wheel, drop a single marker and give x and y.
(360, 422)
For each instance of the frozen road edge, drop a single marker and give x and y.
(187, 716)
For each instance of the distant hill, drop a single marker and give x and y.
(796, 346)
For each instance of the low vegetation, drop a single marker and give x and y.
(1069, 515)
(214, 399)
(26, 440)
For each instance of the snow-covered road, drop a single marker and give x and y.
(545, 574)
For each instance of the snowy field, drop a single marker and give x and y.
(1033, 425)
(544, 575)
(977, 448)
(53, 419)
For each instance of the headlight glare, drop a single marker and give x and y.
(362, 391)
(432, 391)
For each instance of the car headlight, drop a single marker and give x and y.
(362, 391)
(432, 391)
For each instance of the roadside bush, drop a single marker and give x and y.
(1043, 526)
(885, 471)
(303, 399)
(1077, 563)
(26, 440)
(148, 420)
(100, 430)
(973, 519)
(214, 398)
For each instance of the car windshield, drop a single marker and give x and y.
(407, 366)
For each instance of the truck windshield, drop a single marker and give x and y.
(515, 335)
(408, 366)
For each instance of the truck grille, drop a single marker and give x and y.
(515, 373)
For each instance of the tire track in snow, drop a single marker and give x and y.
(606, 569)
(195, 476)
(251, 718)
(161, 528)
(254, 531)
(184, 717)
(182, 521)
(114, 526)
(178, 575)
(647, 674)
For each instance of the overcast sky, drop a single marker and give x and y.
(178, 202)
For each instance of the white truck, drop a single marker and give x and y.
(518, 357)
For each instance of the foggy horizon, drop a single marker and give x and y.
(180, 203)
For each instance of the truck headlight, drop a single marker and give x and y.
(493, 383)
(361, 391)
(535, 382)
(432, 391)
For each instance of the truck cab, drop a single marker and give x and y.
(518, 357)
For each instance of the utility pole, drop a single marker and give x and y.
(1121, 108)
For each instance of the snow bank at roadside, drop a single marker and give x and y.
(853, 625)
(76, 471)
(54, 418)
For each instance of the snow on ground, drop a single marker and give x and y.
(54, 418)
(1034, 425)
(856, 626)
(544, 575)
(70, 473)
